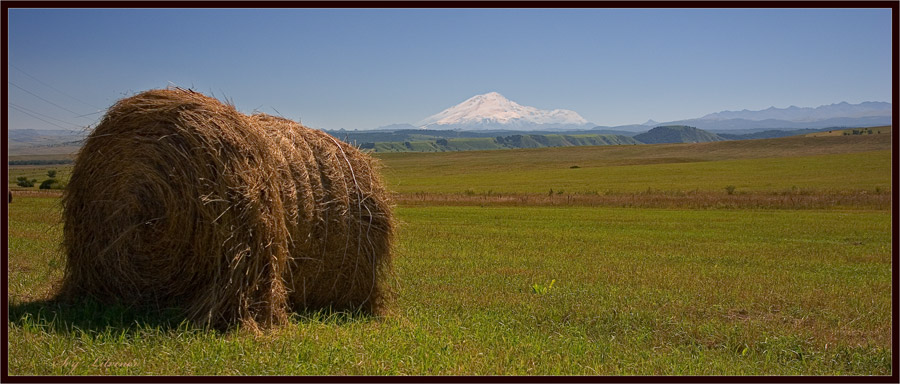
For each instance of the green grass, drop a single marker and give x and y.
(773, 165)
(824, 172)
(39, 173)
(637, 292)
(541, 290)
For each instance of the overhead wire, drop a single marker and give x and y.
(55, 89)
(37, 117)
(44, 117)
(39, 97)
(33, 113)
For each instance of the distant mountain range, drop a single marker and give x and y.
(23, 140)
(493, 112)
(431, 140)
(510, 125)
(800, 115)
(866, 114)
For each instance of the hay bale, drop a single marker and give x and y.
(339, 220)
(179, 200)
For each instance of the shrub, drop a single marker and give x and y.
(51, 173)
(46, 184)
(730, 189)
(23, 181)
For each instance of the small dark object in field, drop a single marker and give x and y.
(178, 200)
(574, 166)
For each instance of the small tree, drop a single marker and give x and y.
(46, 184)
(23, 181)
(51, 173)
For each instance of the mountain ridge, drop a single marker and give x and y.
(808, 114)
(492, 111)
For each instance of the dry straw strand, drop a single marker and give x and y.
(179, 200)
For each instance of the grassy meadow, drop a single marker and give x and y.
(772, 165)
(532, 287)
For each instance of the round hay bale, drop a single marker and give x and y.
(178, 200)
(339, 220)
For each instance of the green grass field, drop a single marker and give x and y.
(837, 172)
(635, 291)
(821, 163)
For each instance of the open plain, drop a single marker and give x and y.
(757, 257)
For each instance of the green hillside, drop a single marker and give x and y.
(677, 134)
(499, 142)
(442, 143)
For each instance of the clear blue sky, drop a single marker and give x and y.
(361, 69)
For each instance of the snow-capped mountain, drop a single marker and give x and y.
(493, 111)
(806, 114)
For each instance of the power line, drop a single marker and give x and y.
(36, 117)
(26, 110)
(54, 88)
(48, 101)
(92, 113)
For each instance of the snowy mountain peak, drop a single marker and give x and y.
(493, 111)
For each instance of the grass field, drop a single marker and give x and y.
(792, 172)
(535, 289)
(858, 131)
(835, 172)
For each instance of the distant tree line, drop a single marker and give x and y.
(863, 131)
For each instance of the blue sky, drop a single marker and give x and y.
(365, 68)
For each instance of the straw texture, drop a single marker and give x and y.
(178, 200)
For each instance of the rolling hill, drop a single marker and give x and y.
(677, 134)
(499, 142)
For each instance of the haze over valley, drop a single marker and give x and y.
(491, 121)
